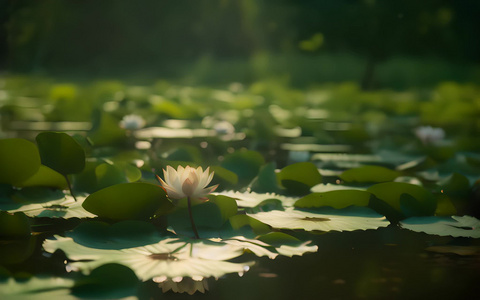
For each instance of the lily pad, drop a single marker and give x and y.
(61, 152)
(171, 258)
(19, 159)
(336, 199)
(65, 208)
(244, 163)
(37, 288)
(127, 201)
(299, 177)
(336, 220)
(455, 226)
(416, 200)
(252, 199)
(45, 177)
(369, 174)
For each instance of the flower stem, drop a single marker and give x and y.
(189, 202)
(70, 187)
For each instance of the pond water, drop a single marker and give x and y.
(319, 200)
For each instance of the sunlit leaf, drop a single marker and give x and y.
(455, 226)
(45, 177)
(13, 226)
(336, 220)
(65, 207)
(124, 234)
(37, 288)
(19, 160)
(170, 258)
(61, 152)
(244, 163)
(126, 201)
(252, 199)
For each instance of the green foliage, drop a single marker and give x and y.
(300, 177)
(127, 201)
(61, 152)
(336, 199)
(19, 159)
(14, 226)
(244, 163)
(369, 174)
(405, 198)
(107, 281)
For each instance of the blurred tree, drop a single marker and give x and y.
(122, 37)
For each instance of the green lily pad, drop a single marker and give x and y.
(109, 281)
(127, 201)
(455, 185)
(266, 180)
(321, 188)
(252, 199)
(65, 207)
(419, 202)
(170, 258)
(13, 226)
(337, 220)
(45, 177)
(287, 245)
(455, 226)
(37, 288)
(298, 178)
(244, 163)
(19, 159)
(124, 234)
(369, 174)
(336, 199)
(61, 152)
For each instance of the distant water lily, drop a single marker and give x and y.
(132, 122)
(430, 135)
(187, 183)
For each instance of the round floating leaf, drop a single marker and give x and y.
(244, 163)
(299, 177)
(455, 185)
(251, 199)
(14, 226)
(65, 207)
(37, 288)
(136, 200)
(419, 202)
(369, 174)
(170, 258)
(108, 175)
(61, 152)
(455, 226)
(18, 250)
(124, 234)
(266, 181)
(46, 177)
(19, 160)
(239, 221)
(336, 199)
(360, 218)
(109, 281)
(223, 177)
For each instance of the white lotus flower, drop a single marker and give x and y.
(187, 182)
(429, 135)
(132, 122)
